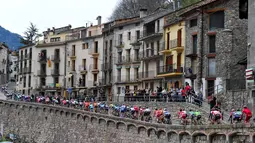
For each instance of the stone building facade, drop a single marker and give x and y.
(3, 63)
(215, 42)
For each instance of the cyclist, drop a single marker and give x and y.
(167, 116)
(192, 115)
(215, 116)
(247, 113)
(198, 117)
(183, 115)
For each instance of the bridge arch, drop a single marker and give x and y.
(93, 120)
(79, 116)
(199, 136)
(172, 136)
(161, 134)
(101, 122)
(185, 136)
(238, 136)
(152, 131)
(141, 129)
(111, 124)
(121, 125)
(217, 136)
(131, 127)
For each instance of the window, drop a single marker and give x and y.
(96, 47)
(84, 64)
(95, 77)
(89, 33)
(83, 46)
(120, 39)
(243, 9)
(128, 74)
(119, 75)
(193, 23)
(158, 25)
(68, 63)
(137, 34)
(57, 39)
(212, 67)
(29, 81)
(73, 50)
(129, 35)
(110, 46)
(194, 44)
(212, 47)
(217, 20)
(136, 73)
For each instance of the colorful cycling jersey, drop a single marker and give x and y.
(91, 106)
(147, 110)
(123, 108)
(132, 109)
(166, 113)
(237, 114)
(197, 113)
(192, 113)
(215, 113)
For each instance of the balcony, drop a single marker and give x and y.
(72, 55)
(82, 69)
(55, 58)
(189, 73)
(191, 54)
(94, 68)
(119, 44)
(134, 41)
(42, 59)
(129, 79)
(170, 70)
(105, 82)
(41, 73)
(150, 54)
(55, 72)
(151, 34)
(137, 58)
(71, 69)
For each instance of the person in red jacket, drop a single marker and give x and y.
(247, 113)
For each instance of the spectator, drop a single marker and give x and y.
(183, 93)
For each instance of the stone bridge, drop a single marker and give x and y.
(39, 123)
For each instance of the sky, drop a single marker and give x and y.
(16, 15)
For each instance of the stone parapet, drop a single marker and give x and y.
(45, 123)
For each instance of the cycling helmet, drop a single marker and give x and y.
(164, 109)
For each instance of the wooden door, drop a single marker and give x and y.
(179, 57)
(179, 39)
(168, 40)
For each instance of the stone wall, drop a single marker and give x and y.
(233, 99)
(231, 41)
(37, 123)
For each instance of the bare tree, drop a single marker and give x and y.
(131, 8)
(30, 35)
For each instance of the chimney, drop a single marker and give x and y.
(86, 24)
(99, 20)
(91, 24)
(143, 13)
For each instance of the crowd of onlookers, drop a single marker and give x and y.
(185, 94)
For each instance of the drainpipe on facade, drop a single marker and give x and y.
(63, 89)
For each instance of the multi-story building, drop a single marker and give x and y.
(13, 66)
(3, 63)
(84, 60)
(51, 60)
(172, 70)
(25, 72)
(153, 43)
(127, 66)
(215, 41)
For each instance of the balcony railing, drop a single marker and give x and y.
(170, 69)
(150, 74)
(55, 58)
(119, 44)
(129, 78)
(41, 73)
(175, 43)
(135, 40)
(82, 68)
(55, 72)
(151, 33)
